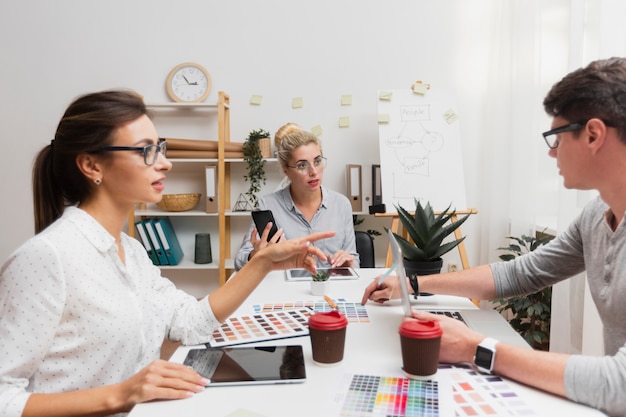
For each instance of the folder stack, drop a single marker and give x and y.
(159, 239)
(201, 149)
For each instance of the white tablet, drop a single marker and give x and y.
(248, 365)
(398, 261)
(339, 273)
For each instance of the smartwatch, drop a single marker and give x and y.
(486, 355)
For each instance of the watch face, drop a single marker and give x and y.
(483, 357)
(188, 83)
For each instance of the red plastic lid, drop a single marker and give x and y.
(332, 320)
(420, 329)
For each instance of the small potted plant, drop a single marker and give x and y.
(427, 232)
(319, 282)
(256, 163)
(529, 314)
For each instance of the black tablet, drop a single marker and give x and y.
(338, 273)
(248, 365)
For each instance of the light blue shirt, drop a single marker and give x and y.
(335, 213)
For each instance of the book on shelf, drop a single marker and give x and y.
(169, 240)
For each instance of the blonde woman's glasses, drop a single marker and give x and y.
(304, 167)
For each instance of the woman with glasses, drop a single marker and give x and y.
(303, 206)
(84, 311)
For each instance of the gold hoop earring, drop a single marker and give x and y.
(97, 181)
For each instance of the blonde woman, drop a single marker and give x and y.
(303, 205)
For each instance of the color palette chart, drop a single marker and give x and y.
(262, 326)
(370, 396)
(476, 394)
(354, 312)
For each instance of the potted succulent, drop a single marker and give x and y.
(256, 163)
(427, 232)
(319, 282)
(530, 314)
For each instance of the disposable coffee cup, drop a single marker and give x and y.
(420, 342)
(328, 337)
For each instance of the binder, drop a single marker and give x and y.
(145, 240)
(169, 241)
(353, 174)
(211, 188)
(377, 192)
(156, 244)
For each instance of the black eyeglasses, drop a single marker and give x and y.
(552, 136)
(150, 152)
(304, 167)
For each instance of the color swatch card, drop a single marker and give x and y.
(360, 395)
(354, 312)
(476, 394)
(262, 326)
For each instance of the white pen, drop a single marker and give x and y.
(386, 274)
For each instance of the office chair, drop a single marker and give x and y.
(365, 248)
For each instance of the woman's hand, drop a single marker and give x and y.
(161, 380)
(262, 242)
(341, 258)
(296, 253)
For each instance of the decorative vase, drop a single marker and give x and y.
(414, 269)
(265, 145)
(319, 287)
(203, 253)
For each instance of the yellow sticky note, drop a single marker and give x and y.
(383, 118)
(346, 100)
(384, 95)
(317, 130)
(344, 122)
(450, 116)
(256, 100)
(297, 103)
(419, 88)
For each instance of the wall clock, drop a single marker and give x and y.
(188, 82)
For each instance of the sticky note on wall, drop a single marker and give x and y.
(297, 103)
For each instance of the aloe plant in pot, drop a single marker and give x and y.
(427, 232)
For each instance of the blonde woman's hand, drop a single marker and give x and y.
(341, 258)
(260, 243)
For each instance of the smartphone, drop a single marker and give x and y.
(261, 219)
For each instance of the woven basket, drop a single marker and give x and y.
(178, 202)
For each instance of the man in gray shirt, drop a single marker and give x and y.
(588, 141)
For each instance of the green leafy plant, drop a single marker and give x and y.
(256, 163)
(321, 276)
(427, 232)
(529, 314)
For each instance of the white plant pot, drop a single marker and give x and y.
(319, 287)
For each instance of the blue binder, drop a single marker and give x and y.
(169, 241)
(145, 241)
(156, 243)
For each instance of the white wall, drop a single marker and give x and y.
(54, 51)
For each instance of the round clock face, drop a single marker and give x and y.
(188, 82)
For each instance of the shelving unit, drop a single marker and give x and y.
(187, 176)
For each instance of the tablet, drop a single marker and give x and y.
(339, 273)
(248, 365)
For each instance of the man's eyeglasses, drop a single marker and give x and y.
(304, 167)
(552, 136)
(150, 152)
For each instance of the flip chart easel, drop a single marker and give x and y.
(396, 228)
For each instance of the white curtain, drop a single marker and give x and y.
(532, 45)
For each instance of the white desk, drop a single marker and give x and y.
(371, 348)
